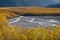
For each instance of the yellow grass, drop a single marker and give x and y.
(16, 33)
(34, 10)
(39, 33)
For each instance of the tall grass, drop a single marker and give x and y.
(16, 33)
(39, 33)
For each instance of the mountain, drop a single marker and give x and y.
(54, 6)
(8, 3)
(4, 3)
(37, 2)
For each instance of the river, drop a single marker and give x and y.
(46, 21)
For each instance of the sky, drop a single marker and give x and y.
(28, 2)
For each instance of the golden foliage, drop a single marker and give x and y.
(4, 16)
(16, 33)
(39, 33)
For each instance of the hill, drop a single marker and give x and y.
(54, 6)
(13, 3)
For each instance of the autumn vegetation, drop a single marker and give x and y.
(33, 10)
(16, 33)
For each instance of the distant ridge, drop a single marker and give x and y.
(17, 3)
(54, 6)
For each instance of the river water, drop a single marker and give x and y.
(47, 21)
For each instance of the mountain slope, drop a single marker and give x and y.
(25, 2)
(54, 6)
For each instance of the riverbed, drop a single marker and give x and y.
(45, 21)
